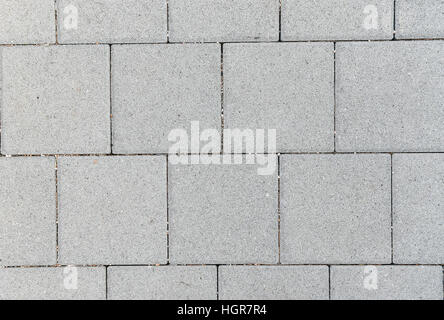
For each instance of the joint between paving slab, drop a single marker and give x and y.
(334, 96)
(222, 119)
(57, 207)
(110, 99)
(391, 204)
(329, 282)
(280, 20)
(56, 22)
(106, 282)
(168, 20)
(168, 211)
(217, 282)
(279, 208)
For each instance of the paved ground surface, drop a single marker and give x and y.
(91, 89)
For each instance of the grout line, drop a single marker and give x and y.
(110, 99)
(168, 211)
(217, 282)
(57, 207)
(44, 44)
(222, 264)
(106, 282)
(280, 20)
(329, 282)
(391, 204)
(394, 20)
(334, 96)
(279, 208)
(56, 22)
(233, 153)
(168, 20)
(222, 97)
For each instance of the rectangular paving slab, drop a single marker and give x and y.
(27, 211)
(273, 282)
(386, 283)
(337, 20)
(27, 22)
(418, 208)
(158, 88)
(419, 19)
(282, 86)
(222, 21)
(112, 210)
(162, 283)
(79, 283)
(389, 96)
(111, 21)
(56, 100)
(222, 214)
(335, 209)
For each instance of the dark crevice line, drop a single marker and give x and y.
(168, 21)
(394, 20)
(217, 282)
(279, 208)
(110, 98)
(57, 207)
(280, 20)
(56, 22)
(168, 211)
(329, 282)
(334, 96)
(222, 97)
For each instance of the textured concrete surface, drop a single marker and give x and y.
(27, 22)
(27, 211)
(55, 100)
(273, 282)
(389, 96)
(335, 209)
(52, 284)
(112, 21)
(112, 210)
(160, 283)
(421, 19)
(287, 87)
(90, 91)
(157, 88)
(418, 208)
(222, 214)
(337, 20)
(223, 20)
(390, 283)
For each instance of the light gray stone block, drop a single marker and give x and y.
(335, 209)
(27, 22)
(287, 87)
(27, 211)
(386, 283)
(419, 19)
(337, 20)
(158, 88)
(111, 21)
(273, 282)
(53, 283)
(223, 21)
(55, 100)
(418, 208)
(162, 283)
(222, 214)
(112, 210)
(389, 96)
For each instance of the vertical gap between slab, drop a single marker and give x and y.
(279, 208)
(391, 205)
(394, 20)
(334, 96)
(280, 20)
(217, 282)
(106, 282)
(222, 118)
(56, 22)
(110, 99)
(168, 212)
(57, 207)
(329, 282)
(168, 20)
